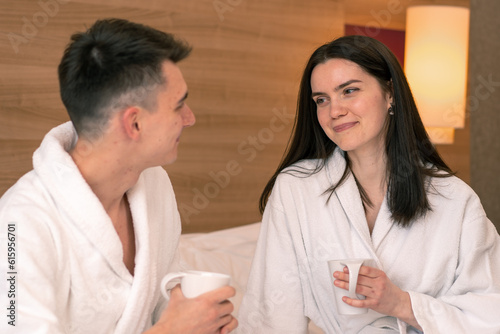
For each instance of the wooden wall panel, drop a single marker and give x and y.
(242, 75)
(484, 105)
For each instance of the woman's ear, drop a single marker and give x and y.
(390, 92)
(131, 122)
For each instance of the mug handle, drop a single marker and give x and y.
(166, 280)
(353, 277)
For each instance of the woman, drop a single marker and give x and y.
(360, 179)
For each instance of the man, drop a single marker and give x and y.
(96, 222)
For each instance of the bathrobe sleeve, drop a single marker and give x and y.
(273, 302)
(472, 304)
(177, 265)
(40, 273)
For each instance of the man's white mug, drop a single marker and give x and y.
(353, 265)
(195, 283)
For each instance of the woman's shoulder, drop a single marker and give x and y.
(305, 166)
(454, 191)
(315, 168)
(451, 185)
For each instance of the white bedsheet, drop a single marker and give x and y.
(228, 251)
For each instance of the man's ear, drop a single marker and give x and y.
(131, 122)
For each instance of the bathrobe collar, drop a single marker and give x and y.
(350, 200)
(77, 201)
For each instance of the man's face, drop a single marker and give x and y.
(163, 126)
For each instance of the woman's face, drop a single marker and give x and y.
(352, 107)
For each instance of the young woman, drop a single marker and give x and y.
(360, 179)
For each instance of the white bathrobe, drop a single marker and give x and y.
(448, 261)
(69, 260)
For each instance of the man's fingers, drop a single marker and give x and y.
(233, 323)
(176, 292)
(221, 294)
(226, 307)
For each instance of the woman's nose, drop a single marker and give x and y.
(337, 109)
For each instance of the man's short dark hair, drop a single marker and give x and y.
(114, 64)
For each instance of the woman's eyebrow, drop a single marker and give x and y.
(317, 93)
(347, 83)
(339, 87)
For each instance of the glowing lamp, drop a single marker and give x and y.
(436, 54)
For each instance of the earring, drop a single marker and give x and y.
(391, 110)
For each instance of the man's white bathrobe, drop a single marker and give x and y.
(448, 261)
(70, 272)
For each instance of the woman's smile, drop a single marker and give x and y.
(344, 126)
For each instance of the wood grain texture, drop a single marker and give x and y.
(484, 105)
(387, 14)
(242, 75)
(243, 78)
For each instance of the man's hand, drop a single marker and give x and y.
(209, 313)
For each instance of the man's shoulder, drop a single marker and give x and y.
(27, 201)
(22, 192)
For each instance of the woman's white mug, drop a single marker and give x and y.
(353, 265)
(195, 283)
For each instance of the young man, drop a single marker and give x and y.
(96, 222)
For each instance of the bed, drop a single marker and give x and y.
(228, 251)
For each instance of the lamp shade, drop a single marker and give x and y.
(436, 54)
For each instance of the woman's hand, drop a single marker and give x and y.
(382, 295)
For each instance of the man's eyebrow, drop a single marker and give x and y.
(183, 98)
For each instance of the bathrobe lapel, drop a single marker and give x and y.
(350, 201)
(144, 281)
(77, 205)
(383, 225)
(76, 199)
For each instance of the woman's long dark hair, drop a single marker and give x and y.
(411, 157)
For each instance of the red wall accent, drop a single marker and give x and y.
(394, 39)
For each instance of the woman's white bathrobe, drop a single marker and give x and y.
(70, 272)
(448, 261)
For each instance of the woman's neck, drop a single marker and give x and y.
(370, 169)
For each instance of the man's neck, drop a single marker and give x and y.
(108, 175)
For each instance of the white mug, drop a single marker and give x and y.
(195, 283)
(353, 265)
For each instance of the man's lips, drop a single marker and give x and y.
(343, 127)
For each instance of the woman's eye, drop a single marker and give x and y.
(348, 91)
(320, 100)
